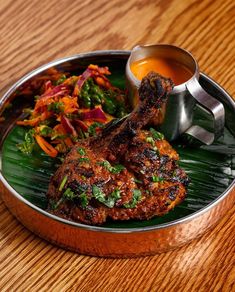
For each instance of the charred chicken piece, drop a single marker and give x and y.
(128, 173)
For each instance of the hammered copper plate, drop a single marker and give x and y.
(117, 239)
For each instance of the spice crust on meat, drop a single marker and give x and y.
(122, 174)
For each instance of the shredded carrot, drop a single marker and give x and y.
(64, 110)
(32, 122)
(46, 147)
(68, 142)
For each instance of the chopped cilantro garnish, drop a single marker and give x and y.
(58, 136)
(98, 194)
(56, 107)
(84, 159)
(112, 198)
(108, 201)
(92, 128)
(55, 205)
(63, 182)
(157, 178)
(156, 135)
(105, 163)
(84, 199)
(156, 149)
(82, 134)
(113, 169)
(117, 168)
(81, 151)
(28, 145)
(61, 79)
(45, 130)
(135, 199)
(116, 194)
(69, 194)
(150, 140)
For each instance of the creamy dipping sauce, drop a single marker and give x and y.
(164, 66)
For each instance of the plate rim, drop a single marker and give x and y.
(187, 218)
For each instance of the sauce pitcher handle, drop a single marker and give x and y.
(213, 106)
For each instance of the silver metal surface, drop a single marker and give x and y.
(103, 241)
(177, 114)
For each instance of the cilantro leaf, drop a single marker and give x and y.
(156, 135)
(81, 151)
(56, 107)
(69, 194)
(135, 199)
(28, 145)
(84, 200)
(61, 79)
(156, 178)
(108, 201)
(113, 169)
(84, 159)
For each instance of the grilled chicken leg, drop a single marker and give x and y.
(129, 173)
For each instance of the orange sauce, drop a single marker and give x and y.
(164, 66)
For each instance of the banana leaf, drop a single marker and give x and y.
(210, 168)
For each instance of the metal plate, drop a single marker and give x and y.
(107, 241)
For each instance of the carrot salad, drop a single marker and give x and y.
(71, 108)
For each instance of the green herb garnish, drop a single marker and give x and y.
(92, 128)
(116, 194)
(156, 135)
(69, 194)
(58, 136)
(28, 145)
(63, 182)
(112, 198)
(81, 151)
(113, 169)
(84, 159)
(61, 79)
(108, 201)
(150, 140)
(55, 205)
(98, 194)
(136, 198)
(56, 107)
(45, 130)
(157, 178)
(117, 168)
(84, 200)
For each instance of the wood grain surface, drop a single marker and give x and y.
(35, 32)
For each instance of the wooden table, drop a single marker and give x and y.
(35, 32)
